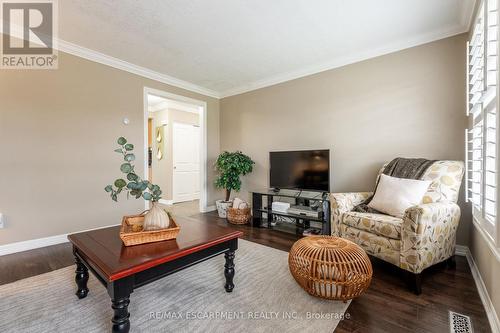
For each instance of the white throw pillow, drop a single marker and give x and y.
(240, 204)
(394, 195)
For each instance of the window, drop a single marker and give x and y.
(482, 134)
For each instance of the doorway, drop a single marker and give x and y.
(175, 146)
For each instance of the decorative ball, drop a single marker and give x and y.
(330, 267)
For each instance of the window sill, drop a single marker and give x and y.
(488, 239)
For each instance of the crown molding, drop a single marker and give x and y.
(85, 53)
(351, 59)
(104, 59)
(466, 14)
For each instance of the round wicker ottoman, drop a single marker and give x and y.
(330, 267)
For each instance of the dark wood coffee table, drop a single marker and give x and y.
(121, 269)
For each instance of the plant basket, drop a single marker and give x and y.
(238, 215)
(131, 231)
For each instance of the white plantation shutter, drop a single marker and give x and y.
(476, 65)
(474, 135)
(482, 134)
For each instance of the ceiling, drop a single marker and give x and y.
(157, 103)
(225, 47)
(154, 100)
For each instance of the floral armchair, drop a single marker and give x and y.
(423, 237)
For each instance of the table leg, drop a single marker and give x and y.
(120, 291)
(81, 278)
(121, 323)
(229, 271)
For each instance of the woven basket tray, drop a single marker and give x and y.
(238, 215)
(131, 231)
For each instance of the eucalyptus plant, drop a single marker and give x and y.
(132, 184)
(230, 167)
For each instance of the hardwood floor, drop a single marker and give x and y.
(387, 306)
(30, 263)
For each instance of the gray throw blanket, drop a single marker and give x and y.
(409, 168)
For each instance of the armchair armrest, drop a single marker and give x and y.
(428, 234)
(344, 202)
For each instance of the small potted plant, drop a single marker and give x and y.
(230, 166)
(155, 218)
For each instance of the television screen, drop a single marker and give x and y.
(305, 170)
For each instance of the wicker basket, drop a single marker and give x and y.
(131, 231)
(238, 215)
(330, 267)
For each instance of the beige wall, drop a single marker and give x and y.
(409, 103)
(58, 129)
(488, 266)
(163, 169)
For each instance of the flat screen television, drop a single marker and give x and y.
(304, 170)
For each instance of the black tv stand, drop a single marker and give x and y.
(264, 217)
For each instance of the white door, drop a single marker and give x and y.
(186, 159)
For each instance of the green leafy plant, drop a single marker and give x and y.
(132, 184)
(230, 167)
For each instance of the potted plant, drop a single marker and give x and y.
(156, 217)
(230, 166)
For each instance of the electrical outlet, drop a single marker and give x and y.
(2, 218)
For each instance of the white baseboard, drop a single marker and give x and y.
(32, 244)
(481, 288)
(166, 202)
(209, 209)
(39, 242)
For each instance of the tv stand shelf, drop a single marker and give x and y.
(304, 217)
(295, 197)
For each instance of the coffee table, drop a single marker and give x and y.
(121, 269)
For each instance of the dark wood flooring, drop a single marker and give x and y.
(387, 306)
